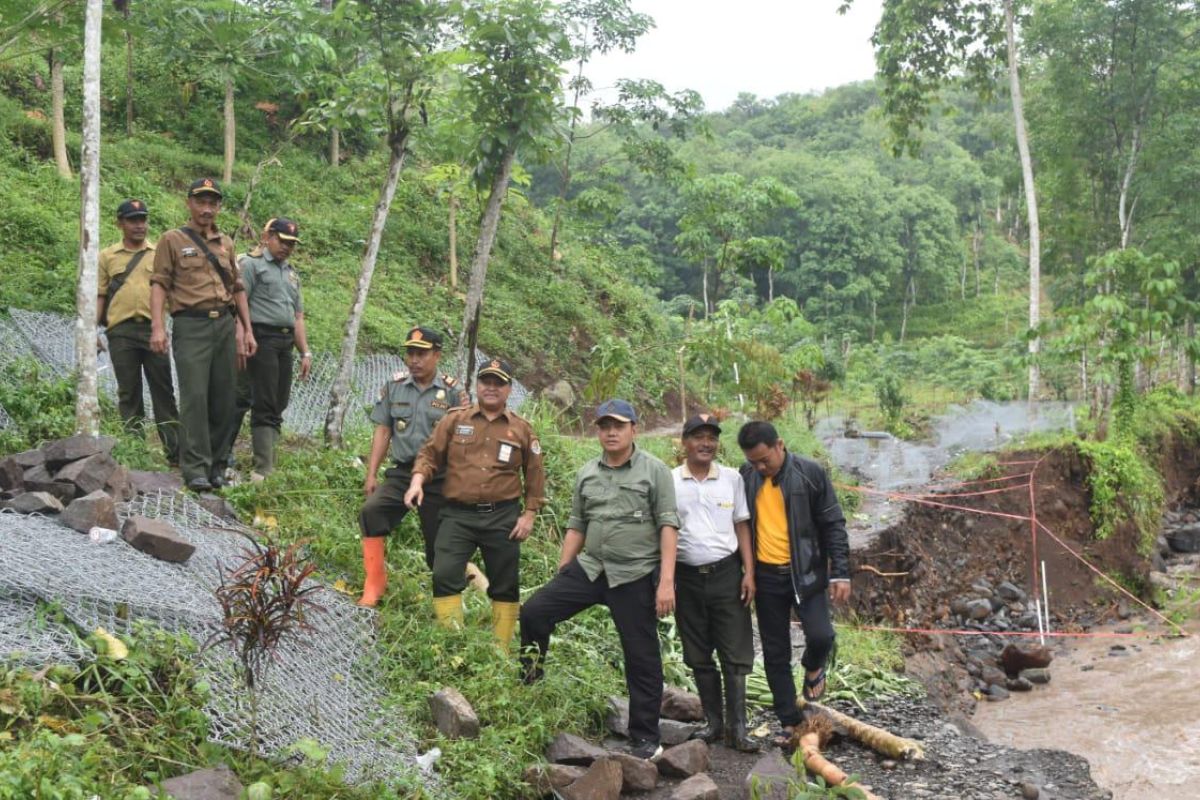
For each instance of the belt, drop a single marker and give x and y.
(136, 320)
(259, 327)
(708, 569)
(483, 508)
(203, 313)
(778, 569)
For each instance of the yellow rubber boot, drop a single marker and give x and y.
(504, 621)
(375, 567)
(448, 611)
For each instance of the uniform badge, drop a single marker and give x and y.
(464, 430)
(187, 252)
(399, 376)
(535, 447)
(441, 394)
(505, 454)
(400, 425)
(435, 404)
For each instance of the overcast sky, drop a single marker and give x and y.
(765, 47)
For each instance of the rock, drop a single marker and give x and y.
(89, 511)
(1018, 684)
(697, 787)
(12, 474)
(617, 718)
(30, 458)
(982, 588)
(560, 394)
(1010, 593)
(152, 482)
(996, 693)
(88, 474)
(37, 479)
(602, 781)
(453, 715)
(639, 774)
(671, 732)
(992, 676)
(217, 506)
(682, 706)
(570, 749)
(35, 503)
(217, 783)
(1036, 675)
(118, 485)
(959, 606)
(74, 448)
(1185, 539)
(545, 778)
(771, 775)
(684, 760)
(979, 609)
(1016, 657)
(1030, 791)
(157, 538)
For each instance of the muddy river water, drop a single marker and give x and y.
(1135, 716)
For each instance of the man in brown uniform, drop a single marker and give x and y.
(124, 306)
(485, 448)
(195, 271)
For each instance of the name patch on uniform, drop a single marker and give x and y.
(725, 504)
(464, 430)
(438, 404)
(188, 251)
(506, 451)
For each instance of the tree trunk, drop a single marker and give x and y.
(770, 285)
(335, 147)
(128, 80)
(453, 225)
(909, 293)
(339, 395)
(704, 289)
(565, 186)
(87, 404)
(976, 242)
(1124, 206)
(874, 315)
(230, 131)
(479, 265)
(1035, 240)
(1191, 365)
(58, 131)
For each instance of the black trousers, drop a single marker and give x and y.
(463, 531)
(711, 616)
(632, 608)
(773, 604)
(129, 349)
(270, 373)
(385, 510)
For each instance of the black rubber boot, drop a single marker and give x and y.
(735, 714)
(708, 686)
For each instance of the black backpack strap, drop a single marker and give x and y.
(116, 283)
(226, 278)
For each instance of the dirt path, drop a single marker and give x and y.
(1133, 714)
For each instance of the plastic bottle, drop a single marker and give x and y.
(100, 535)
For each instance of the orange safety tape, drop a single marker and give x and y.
(1025, 634)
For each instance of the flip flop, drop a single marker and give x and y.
(810, 684)
(783, 740)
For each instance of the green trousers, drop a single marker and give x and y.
(129, 350)
(461, 531)
(264, 389)
(204, 360)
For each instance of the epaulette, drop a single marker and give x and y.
(399, 376)
(448, 380)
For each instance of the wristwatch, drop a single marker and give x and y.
(306, 355)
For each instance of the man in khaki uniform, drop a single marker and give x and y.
(196, 274)
(486, 450)
(124, 306)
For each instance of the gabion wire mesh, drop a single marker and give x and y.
(50, 338)
(319, 686)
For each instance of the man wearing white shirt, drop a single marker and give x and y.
(714, 582)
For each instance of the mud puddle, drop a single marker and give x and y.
(1133, 714)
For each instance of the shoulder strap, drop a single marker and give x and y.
(116, 283)
(226, 278)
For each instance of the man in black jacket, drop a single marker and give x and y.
(798, 535)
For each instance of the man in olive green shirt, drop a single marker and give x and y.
(619, 550)
(124, 306)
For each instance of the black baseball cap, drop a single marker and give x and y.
(501, 369)
(620, 410)
(699, 421)
(285, 229)
(204, 186)
(132, 208)
(423, 339)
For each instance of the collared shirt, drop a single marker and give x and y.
(133, 299)
(708, 510)
(182, 269)
(412, 412)
(620, 511)
(771, 527)
(485, 459)
(272, 289)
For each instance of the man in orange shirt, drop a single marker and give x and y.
(798, 534)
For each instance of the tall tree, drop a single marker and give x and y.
(511, 83)
(921, 46)
(87, 405)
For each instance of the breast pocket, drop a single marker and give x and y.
(633, 501)
(509, 455)
(401, 414)
(192, 264)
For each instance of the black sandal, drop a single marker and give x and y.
(783, 739)
(810, 684)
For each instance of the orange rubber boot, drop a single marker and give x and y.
(375, 566)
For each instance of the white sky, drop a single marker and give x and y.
(765, 47)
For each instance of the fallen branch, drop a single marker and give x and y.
(809, 738)
(879, 740)
(869, 568)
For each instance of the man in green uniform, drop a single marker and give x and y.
(277, 319)
(409, 407)
(486, 449)
(124, 306)
(196, 274)
(619, 550)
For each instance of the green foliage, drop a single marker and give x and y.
(1124, 488)
(974, 466)
(802, 787)
(42, 408)
(890, 395)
